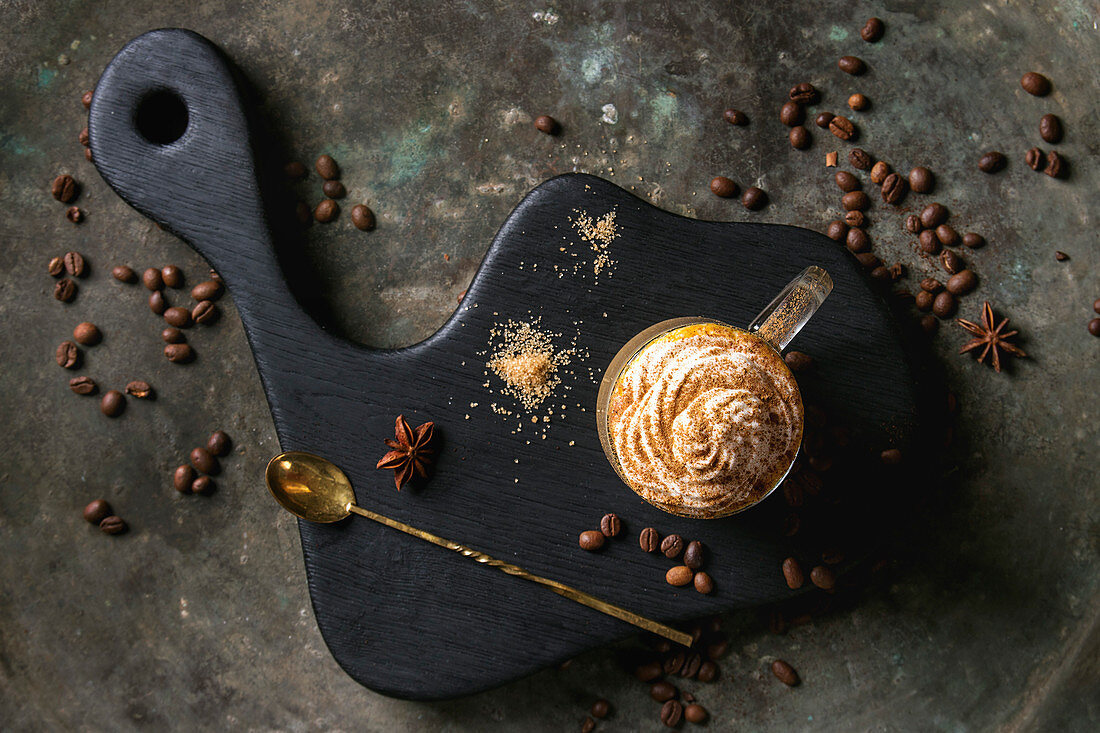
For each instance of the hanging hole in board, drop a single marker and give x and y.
(161, 117)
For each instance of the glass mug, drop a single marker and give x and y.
(703, 419)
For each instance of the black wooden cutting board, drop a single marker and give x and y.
(410, 619)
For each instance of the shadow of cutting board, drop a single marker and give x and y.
(410, 619)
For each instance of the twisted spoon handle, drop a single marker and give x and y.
(560, 588)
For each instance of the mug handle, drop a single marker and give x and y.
(785, 316)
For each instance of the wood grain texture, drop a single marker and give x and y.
(407, 618)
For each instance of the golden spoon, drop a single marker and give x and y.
(314, 489)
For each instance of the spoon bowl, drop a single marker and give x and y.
(309, 486)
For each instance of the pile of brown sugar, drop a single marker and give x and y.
(525, 360)
(599, 233)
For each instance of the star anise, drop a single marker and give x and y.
(411, 451)
(991, 337)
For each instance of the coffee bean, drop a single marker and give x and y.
(202, 485)
(157, 303)
(672, 546)
(362, 217)
(152, 279)
(87, 334)
(785, 673)
(334, 189)
(1094, 326)
(754, 199)
(857, 241)
(798, 361)
(74, 264)
(921, 180)
(693, 554)
(837, 230)
(823, 119)
(86, 99)
(327, 168)
(611, 525)
(924, 300)
(204, 461)
(792, 573)
(872, 30)
(879, 172)
(74, 214)
(791, 114)
(1058, 254)
(691, 666)
(138, 388)
(207, 290)
(63, 188)
(973, 240)
(113, 403)
(1056, 165)
(843, 128)
(804, 93)
(708, 672)
(823, 577)
(82, 385)
(855, 200)
(703, 582)
(1050, 128)
(648, 672)
(171, 276)
(295, 170)
(68, 355)
(962, 282)
(1035, 83)
(860, 159)
(649, 540)
(944, 305)
(992, 162)
(799, 137)
(55, 267)
(1096, 305)
(931, 284)
(951, 261)
(867, 260)
(591, 540)
(912, 224)
(679, 575)
(84, 137)
(929, 244)
(847, 182)
(852, 65)
(894, 188)
(929, 324)
(96, 511)
(1035, 159)
(88, 154)
(600, 709)
(588, 725)
(182, 478)
(204, 312)
(859, 102)
(113, 525)
(947, 235)
(890, 457)
(933, 215)
(547, 124)
(178, 353)
(123, 274)
(723, 187)
(671, 712)
(881, 273)
(178, 317)
(303, 213)
(326, 211)
(855, 218)
(662, 691)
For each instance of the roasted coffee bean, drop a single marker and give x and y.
(178, 317)
(68, 355)
(546, 124)
(591, 540)
(63, 188)
(754, 199)
(799, 137)
(947, 235)
(881, 273)
(843, 128)
(847, 182)
(86, 99)
(708, 672)
(921, 180)
(87, 334)
(912, 224)
(804, 93)
(671, 712)
(326, 211)
(138, 388)
(823, 577)
(929, 244)
(792, 573)
(860, 159)
(88, 154)
(157, 303)
(588, 725)
(303, 214)
(202, 485)
(1035, 83)
(691, 666)
(791, 114)
(857, 240)
(855, 200)
(823, 119)
(171, 276)
(218, 443)
(1050, 128)
(662, 691)
(182, 478)
(855, 218)
(204, 461)
(1058, 254)
(672, 546)
(362, 217)
(204, 312)
(951, 261)
(55, 267)
(924, 300)
(648, 672)
(295, 170)
(113, 403)
(649, 540)
(695, 713)
(693, 554)
(611, 525)
(679, 575)
(785, 673)
(207, 290)
(890, 457)
(837, 230)
(879, 172)
(973, 240)
(735, 117)
(1056, 165)
(992, 162)
(931, 284)
(933, 215)
(962, 282)
(96, 511)
(152, 279)
(869, 262)
(852, 65)
(798, 361)
(872, 30)
(792, 494)
(600, 709)
(859, 102)
(1094, 326)
(113, 525)
(327, 168)
(944, 305)
(84, 137)
(703, 582)
(123, 274)
(723, 187)
(894, 189)
(74, 214)
(82, 385)
(334, 189)
(74, 264)
(1035, 159)
(178, 353)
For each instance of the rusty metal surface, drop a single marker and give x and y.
(199, 617)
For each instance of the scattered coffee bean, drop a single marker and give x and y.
(123, 274)
(723, 187)
(171, 276)
(172, 335)
(837, 230)
(823, 119)
(152, 279)
(992, 162)
(600, 709)
(944, 305)
(86, 99)
(326, 211)
(334, 189)
(88, 154)
(912, 224)
(55, 267)
(962, 282)
(672, 546)
(855, 200)
(87, 334)
(929, 244)
(96, 511)
(182, 478)
(708, 672)
(178, 317)
(1035, 159)
(295, 170)
(933, 215)
(1050, 128)
(204, 461)
(693, 554)
(204, 312)
(859, 102)
(879, 172)
(804, 93)
(74, 264)
(792, 573)
(662, 691)
(82, 385)
(1058, 254)
(591, 540)
(921, 180)
(798, 361)
(327, 168)
(112, 525)
(857, 240)
(843, 128)
(799, 137)
(703, 582)
(947, 235)
(202, 485)
(951, 261)
(588, 725)
(84, 137)
(791, 114)
(157, 303)
(924, 301)
(649, 540)
(362, 217)
(218, 444)
(852, 65)
(207, 290)
(754, 199)
(735, 117)
(847, 182)
(113, 403)
(931, 284)
(546, 124)
(855, 218)
(973, 240)
(303, 213)
(673, 662)
(74, 214)
(691, 665)
(891, 457)
(1035, 83)
(679, 575)
(894, 188)
(823, 577)
(671, 712)
(1094, 326)
(63, 188)
(872, 30)
(1056, 165)
(869, 262)
(860, 159)
(68, 355)
(138, 388)
(785, 673)
(648, 672)
(881, 273)
(611, 525)
(178, 353)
